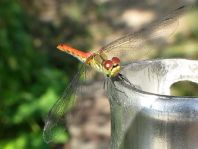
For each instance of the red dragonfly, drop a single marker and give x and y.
(107, 60)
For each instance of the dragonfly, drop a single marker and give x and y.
(107, 60)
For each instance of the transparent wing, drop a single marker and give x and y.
(56, 116)
(137, 45)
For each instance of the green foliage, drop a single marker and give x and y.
(184, 88)
(29, 85)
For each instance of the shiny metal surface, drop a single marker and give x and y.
(145, 116)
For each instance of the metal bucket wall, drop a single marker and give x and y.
(145, 116)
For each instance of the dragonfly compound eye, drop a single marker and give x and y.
(108, 64)
(115, 60)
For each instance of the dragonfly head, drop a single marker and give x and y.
(112, 67)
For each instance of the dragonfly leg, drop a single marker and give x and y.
(120, 77)
(123, 78)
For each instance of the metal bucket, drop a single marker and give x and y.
(145, 116)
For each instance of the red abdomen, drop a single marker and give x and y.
(82, 56)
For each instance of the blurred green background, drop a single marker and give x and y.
(33, 73)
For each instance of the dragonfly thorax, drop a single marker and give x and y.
(100, 62)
